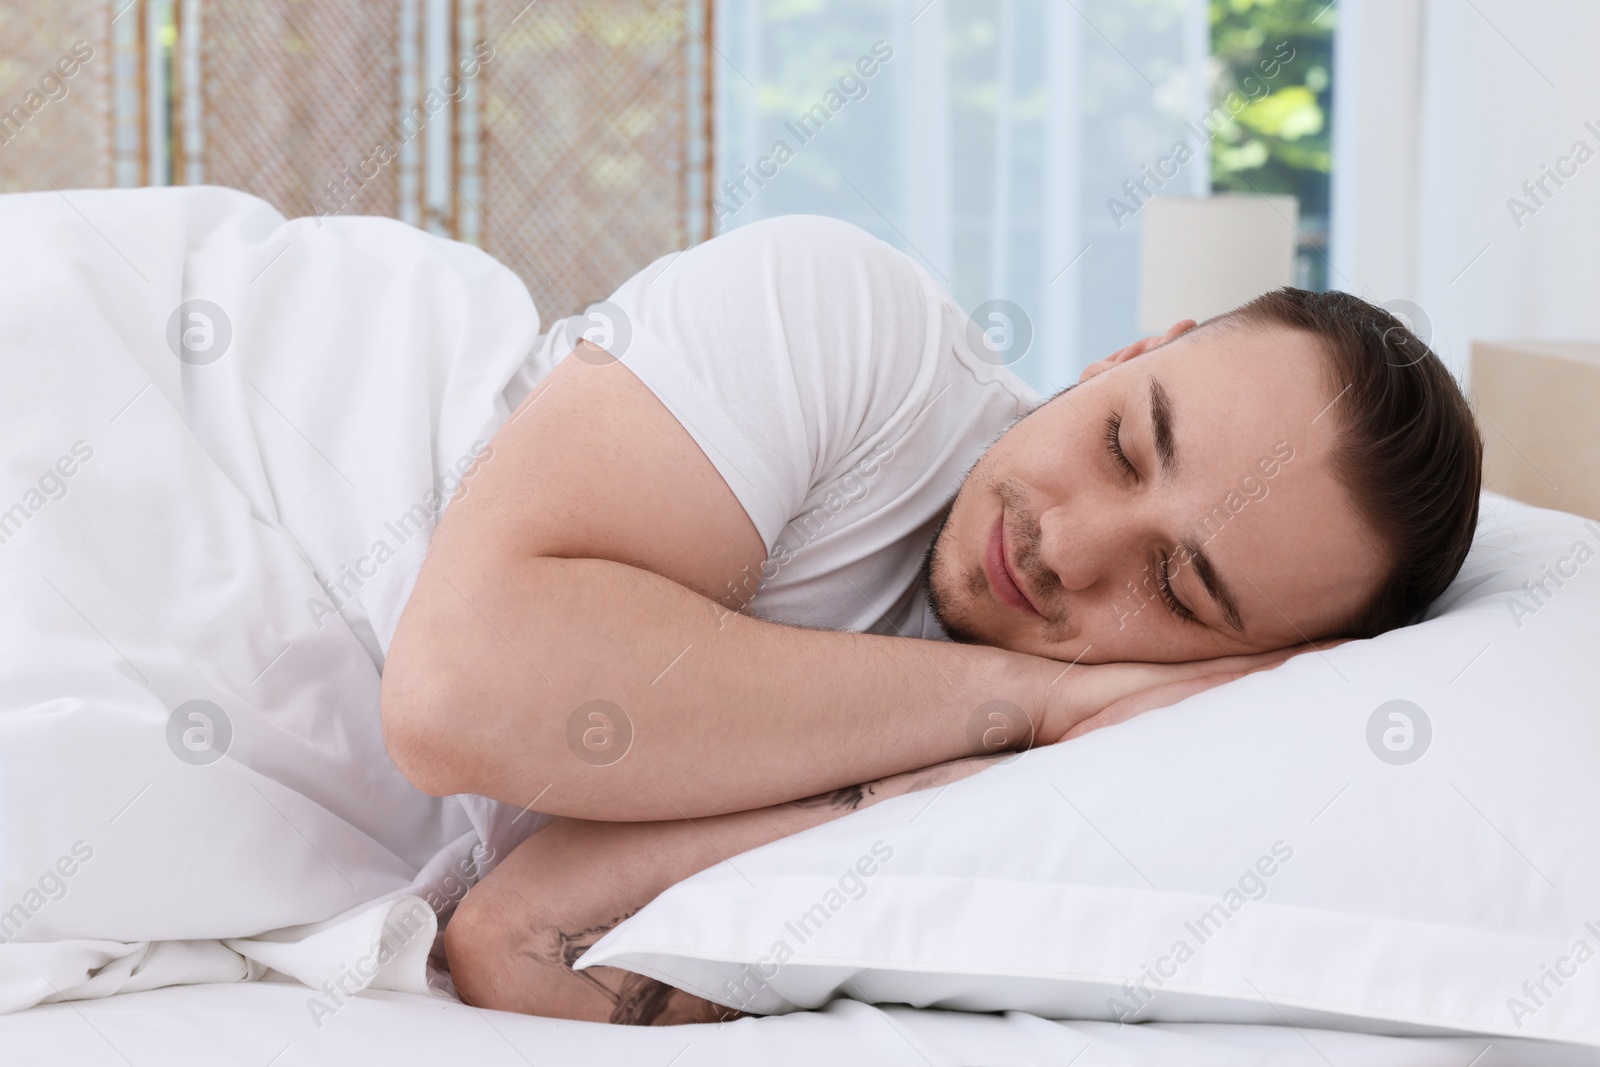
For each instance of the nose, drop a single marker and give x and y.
(1086, 541)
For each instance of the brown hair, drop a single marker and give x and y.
(1409, 454)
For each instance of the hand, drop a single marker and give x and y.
(1105, 693)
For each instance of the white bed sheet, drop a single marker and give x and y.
(256, 1024)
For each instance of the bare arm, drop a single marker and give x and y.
(591, 556)
(512, 941)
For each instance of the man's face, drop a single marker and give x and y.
(1226, 532)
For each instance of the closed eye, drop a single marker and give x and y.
(1174, 605)
(1113, 436)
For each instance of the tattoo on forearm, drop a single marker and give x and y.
(640, 1001)
(954, 771)
(851, 797)
(568, 945)
(637, 1000)
(847, 798)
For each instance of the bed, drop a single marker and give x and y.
(258, 1024)
(315, 850)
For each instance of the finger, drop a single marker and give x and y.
(1278, 655)
(1148, 699)
(1249, 661)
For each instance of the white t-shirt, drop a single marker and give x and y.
(836, 389)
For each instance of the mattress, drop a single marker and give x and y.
(269, 1024)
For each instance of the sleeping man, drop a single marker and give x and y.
(791, 540)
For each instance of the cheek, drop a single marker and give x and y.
(1052, 444)
(1119, 630)
(1131, 622)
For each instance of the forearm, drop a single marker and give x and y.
(726, 712)
(513, 941)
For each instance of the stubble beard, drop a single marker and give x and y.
(949, 611)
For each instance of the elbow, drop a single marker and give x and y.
(448, 732)
(475, 948)
(415, 733)
(505, 955)
(446, 735)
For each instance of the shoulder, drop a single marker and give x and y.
(790, 286)
(812, 232)
(829, 249)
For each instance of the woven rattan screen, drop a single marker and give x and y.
(584, 137)
(566, 137)
(55, 95)
(295, 98)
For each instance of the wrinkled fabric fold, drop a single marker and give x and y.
(228, 438)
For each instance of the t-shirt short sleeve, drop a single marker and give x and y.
(840, 392)
(781, 347)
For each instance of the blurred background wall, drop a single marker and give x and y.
(1431, 147)
(998, 141)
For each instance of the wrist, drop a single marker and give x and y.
(1010, 708)
(1063, 697)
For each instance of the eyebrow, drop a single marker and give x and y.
(1213, 582)
(1161, 425)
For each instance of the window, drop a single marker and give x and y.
(1280, 140)
(991, 137)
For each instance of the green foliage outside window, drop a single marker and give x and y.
(1280, 141)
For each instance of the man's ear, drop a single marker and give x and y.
(1137, 348)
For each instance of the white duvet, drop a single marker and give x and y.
(210, 516)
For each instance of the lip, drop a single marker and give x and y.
(1001, 578)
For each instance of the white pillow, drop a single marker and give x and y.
(1262, 852)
